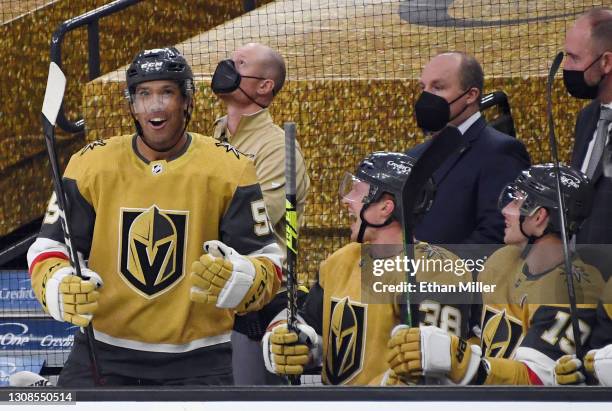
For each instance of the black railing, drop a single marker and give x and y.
(89, 19)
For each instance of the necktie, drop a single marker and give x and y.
(605, 118)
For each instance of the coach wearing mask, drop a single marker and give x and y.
(470, 181)
(587, 75)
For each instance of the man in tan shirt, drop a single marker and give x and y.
(249, 127)
(247, 83)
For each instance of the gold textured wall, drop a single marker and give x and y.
(24, 53)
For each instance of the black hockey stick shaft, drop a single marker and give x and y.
(66, 227)
(291, 231)
(571, 292)
(442, 145)
(51, 106)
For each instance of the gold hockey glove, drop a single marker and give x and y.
(230, 280)
(431, 351)
(567, 371)
(288, 352)
(71, 298)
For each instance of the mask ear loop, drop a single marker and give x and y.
(251, 98)
(464, 108)
(594, 61)
(239, 80)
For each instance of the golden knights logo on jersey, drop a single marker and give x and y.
(345, 344)
(152, 249)
(501, 333)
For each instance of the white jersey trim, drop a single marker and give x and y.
(162, 348)
(271, 251)
(45, 245)
(537, 362)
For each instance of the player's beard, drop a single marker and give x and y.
(165, 139)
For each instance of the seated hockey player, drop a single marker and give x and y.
(526, 322)
(142, 208)
(339, 326)
(598, 361)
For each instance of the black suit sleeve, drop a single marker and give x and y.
(312, 310)
(500, 168)
(586, 123)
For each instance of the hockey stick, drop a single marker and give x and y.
(555, 158)
(54, 94)
(442, 146)
(291, 234)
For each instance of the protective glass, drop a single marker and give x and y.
(353, 189)
(516, 201)
(154, 101)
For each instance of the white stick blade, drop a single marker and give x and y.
(56, 85)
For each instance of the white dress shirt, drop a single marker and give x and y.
(463, 127)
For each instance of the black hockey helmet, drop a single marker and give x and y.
(386, 172)
(536, 187)
(160, 64)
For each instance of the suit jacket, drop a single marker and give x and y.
(468, 184)
(597, 229)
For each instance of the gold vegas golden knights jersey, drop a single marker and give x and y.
(602, 334)
(140, 225)
(527, 318)
(355, 332)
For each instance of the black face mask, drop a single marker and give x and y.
(226, 79)
(577, 86)
(433, 112)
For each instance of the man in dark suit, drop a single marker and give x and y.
(469, 182)
(587, 73)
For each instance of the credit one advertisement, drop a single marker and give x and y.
(29, 338)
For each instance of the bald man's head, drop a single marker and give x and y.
(599, 21)
(588, 38)
(270, 61)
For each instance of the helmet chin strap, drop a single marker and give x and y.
(531, 239)
(365, 223)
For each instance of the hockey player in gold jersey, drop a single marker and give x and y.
(170, 228)
(526, 321)
(341, 327)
